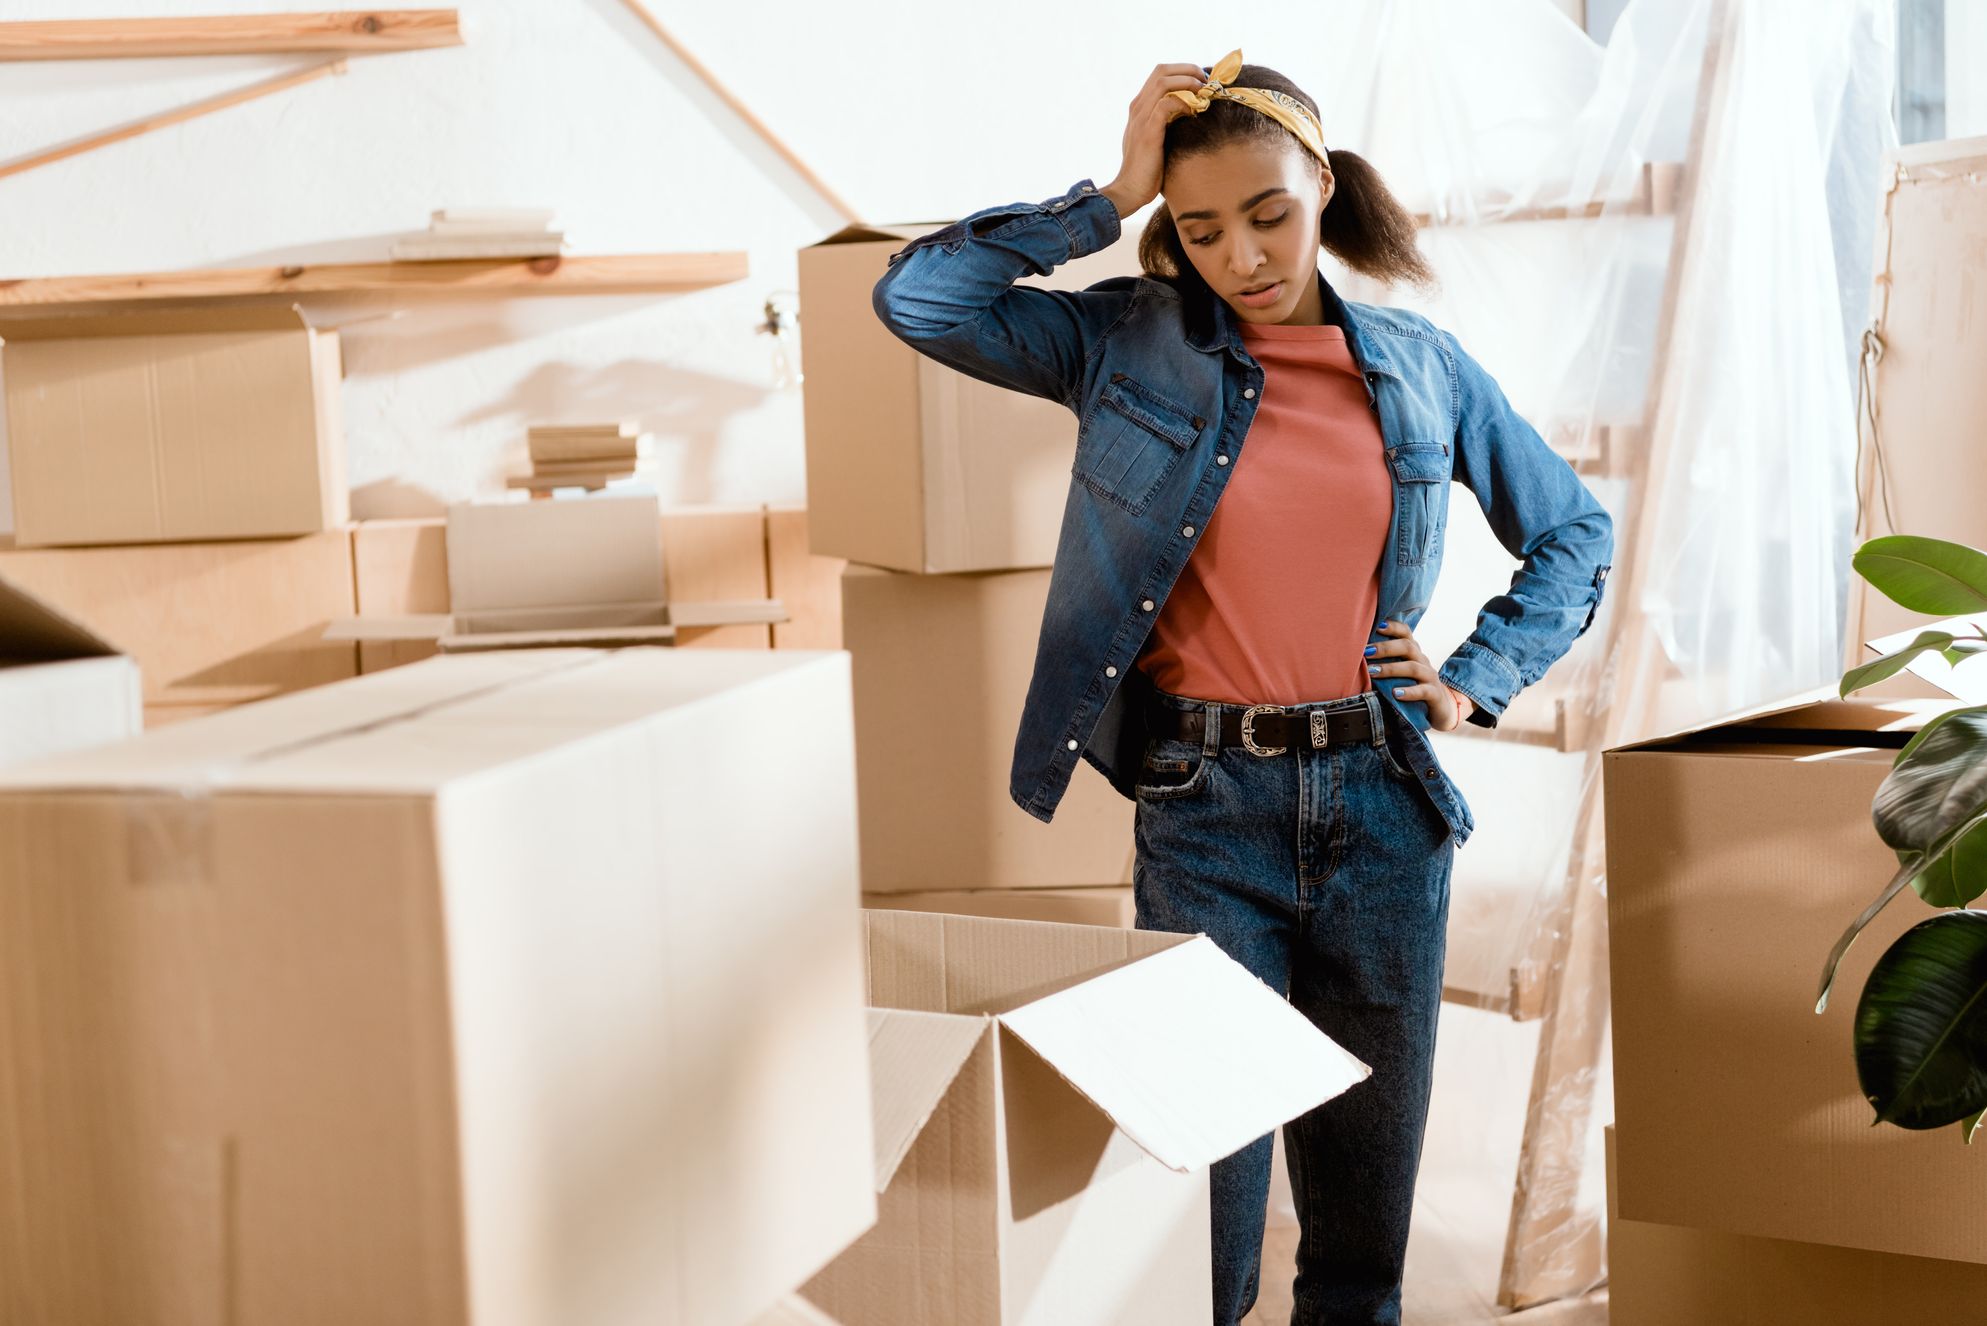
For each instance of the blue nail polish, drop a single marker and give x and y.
(1372, 670)
(1372, 650)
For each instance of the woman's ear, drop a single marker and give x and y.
(1327, 185)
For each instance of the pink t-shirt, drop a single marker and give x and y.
(1280, 596)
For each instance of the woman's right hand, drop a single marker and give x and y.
(1144, 165)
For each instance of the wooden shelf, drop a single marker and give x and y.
(351, 32)
(591, 275)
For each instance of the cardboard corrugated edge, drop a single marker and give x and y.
(913, 1059)
(1190, 1055)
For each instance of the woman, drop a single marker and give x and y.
(1255, 525)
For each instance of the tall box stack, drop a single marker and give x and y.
(439, 996)
(945, 495)
(1737, 853)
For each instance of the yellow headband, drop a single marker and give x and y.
(1285, 109)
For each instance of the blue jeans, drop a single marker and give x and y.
(1326, 873)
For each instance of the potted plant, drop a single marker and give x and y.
(1921, 1023)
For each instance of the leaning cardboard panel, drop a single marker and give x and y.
(1927, 469)
(1047, 1100)
(441, 996)
(62, 686)
(209, 624)
(910, 464)
(941, 670)
(1111, 905)
(1737, 853)
(208, 423)
(1669, 1275)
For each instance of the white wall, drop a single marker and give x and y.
(910, 111)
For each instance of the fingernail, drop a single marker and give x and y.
(1372, 670)
(1372, 650)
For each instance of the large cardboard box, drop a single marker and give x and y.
(717, 554)
(1047, 1099)
(910, 464)
(1669, 1275)
(208, 423)
(400, 569)
(807, 585)
(63, 687)
(1737, 854)
(441, 996)
(941, 670)
(1099, 906)
(208, 624)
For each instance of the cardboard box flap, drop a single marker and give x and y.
(1969, 684)
(944, 963)
(864, 233)
(199, 755)
(32, 631)
(191, 319)
(1188, 1054)
(1813, 717)
(523, 555)
(913, 1058)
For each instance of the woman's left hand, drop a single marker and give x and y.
(1400, 656)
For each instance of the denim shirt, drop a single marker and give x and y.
(1164, 393)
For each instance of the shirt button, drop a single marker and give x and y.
(1110, 672)
(1088, 189)
(1248, 393)
(1072, 744)
(1187, 530)
(1221, 460)
(1146, 606)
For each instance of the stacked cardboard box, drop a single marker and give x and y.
(63, 687)
(441, 995)
(945, 496)
(1737, 853)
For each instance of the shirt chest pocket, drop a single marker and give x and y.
(1130, 441)
(1421, 481)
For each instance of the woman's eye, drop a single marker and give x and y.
(1266, 223)
(1205, 240)
(1269, 221)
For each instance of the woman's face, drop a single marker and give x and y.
(1248, 218)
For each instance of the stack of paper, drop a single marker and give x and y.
(484, 232)
(580, 455)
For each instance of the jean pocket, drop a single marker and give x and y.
(1171, 770)
(1421, 474)
(1130, 441)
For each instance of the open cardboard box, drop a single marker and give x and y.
(163, 426)
(441, 996)
(912, 465)
(585, 572)
(1048, 1098)
(1737, 854)
(63, 687)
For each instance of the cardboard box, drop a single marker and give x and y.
(1736, 855)
(208, 624)
(807, 585)
(941, 670)
(1669, 1275)
(717, 554)
(62, 686)
(400, 569)
(1047, 1100)
(441, 996)
(794, 1310)
(1103, 906)
(199, 423)
(534, 575)
(911, 465)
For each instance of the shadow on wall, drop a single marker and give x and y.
(684, 408)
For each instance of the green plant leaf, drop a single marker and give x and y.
(1918, 737)
(1961, 650)
(1869, 674)
(1957, 876)
(1925, 575)
(1921, 1025)
(1970, 1125)
(1934, 789)
(1891, 889)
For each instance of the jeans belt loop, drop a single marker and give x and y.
(1210, 731)
(1376, 714)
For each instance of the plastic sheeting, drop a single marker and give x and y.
(1551, 170)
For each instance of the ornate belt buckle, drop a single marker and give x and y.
(1321, 732)
(1249, 729)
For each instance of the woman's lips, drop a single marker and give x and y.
(1263, 299)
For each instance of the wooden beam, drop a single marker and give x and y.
(602, 275)
(164, 119)
(351, 32)
(738, 108)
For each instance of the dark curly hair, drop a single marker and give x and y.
(1364, 224)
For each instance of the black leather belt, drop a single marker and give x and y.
(1266, 729)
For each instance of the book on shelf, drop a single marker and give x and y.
(444, 248)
